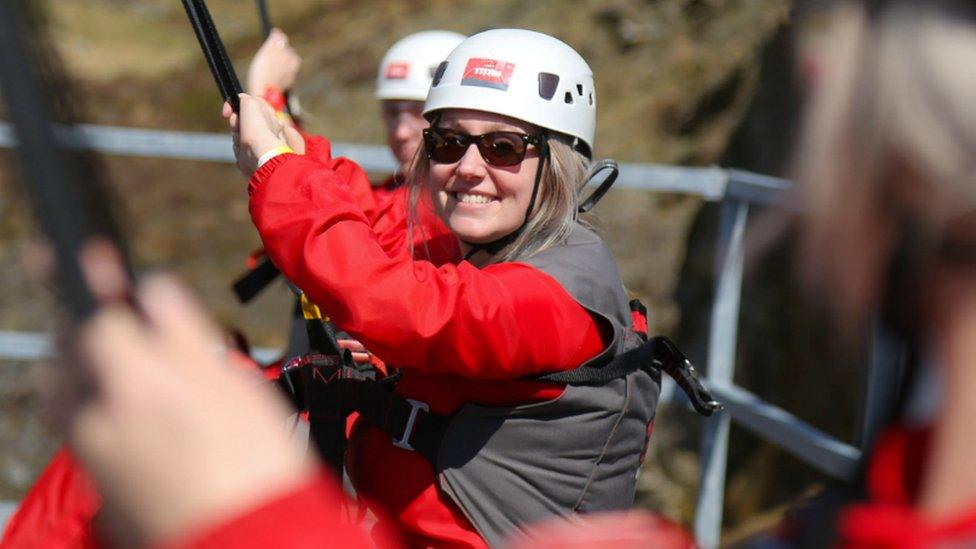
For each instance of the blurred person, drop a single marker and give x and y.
(888, 167)
(475, 442)
(402, 82)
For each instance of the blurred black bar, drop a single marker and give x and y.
(70, 203)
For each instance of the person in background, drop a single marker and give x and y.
(888, 174)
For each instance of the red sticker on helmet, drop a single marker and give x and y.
(489, 73)
(397, 71)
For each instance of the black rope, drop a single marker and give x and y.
(265, 18)
(214, 51)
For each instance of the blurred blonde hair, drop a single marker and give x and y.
(554, 213)
(890, 140)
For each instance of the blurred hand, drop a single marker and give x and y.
(359, 353)
(256, 131)
(275, 64)
(175, 436)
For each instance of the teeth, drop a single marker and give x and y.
(473, 198)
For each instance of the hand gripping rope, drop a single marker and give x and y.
(213, 50)
(266, 27)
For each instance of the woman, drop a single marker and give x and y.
(475, 443)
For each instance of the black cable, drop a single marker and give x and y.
(214, 51)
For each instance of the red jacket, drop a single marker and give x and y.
(385, 190)
(461, 334)
(59, 510)
(889, 518)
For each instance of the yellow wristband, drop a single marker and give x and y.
(284, 149)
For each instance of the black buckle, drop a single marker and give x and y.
(666, 356)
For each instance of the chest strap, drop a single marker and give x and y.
(655, 355)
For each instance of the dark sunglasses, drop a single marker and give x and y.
(446, 146)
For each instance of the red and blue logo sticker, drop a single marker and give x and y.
(487, 73)
(397, 70)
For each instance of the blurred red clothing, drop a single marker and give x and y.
(59, 510)
(889, 517)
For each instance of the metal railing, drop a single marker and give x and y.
(735, 190)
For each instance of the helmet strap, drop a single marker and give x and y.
(498, 245)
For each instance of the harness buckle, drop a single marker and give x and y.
(404, 440)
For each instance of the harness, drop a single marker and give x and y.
(328, 387)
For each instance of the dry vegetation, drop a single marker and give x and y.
(673, 76)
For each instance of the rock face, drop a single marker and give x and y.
(674, 78)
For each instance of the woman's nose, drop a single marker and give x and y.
(471, 165)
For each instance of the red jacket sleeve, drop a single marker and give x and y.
(504, 321)
(319, 149)
(312, 516)
(387, 215)
(58, 511)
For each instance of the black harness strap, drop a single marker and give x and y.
(409, 423)
(329, 391)
(251, 283)
(654, 355)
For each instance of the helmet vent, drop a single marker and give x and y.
(439, 73)
(591, 99)
(548, 83)
(579, 89)
(569, 98)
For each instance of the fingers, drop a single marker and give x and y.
(359, 353)
(116, 347)
(278, 38)
(104, 271)
(352, 344)
(178, 320)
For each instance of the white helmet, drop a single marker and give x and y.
(409, 65)
(522, 74)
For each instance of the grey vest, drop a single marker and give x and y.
(509, 467)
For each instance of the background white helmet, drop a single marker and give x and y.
(409, 65)
(522, 74)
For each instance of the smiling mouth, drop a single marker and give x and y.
(470, 198)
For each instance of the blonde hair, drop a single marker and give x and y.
(890, 140)
(554, 214)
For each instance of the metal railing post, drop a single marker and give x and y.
(721, 368)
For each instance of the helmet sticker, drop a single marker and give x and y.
(488, 73)
(397, 70)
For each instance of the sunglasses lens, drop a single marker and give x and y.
(502, 148)
(444, 147)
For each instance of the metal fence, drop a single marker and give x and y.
(735, 190)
